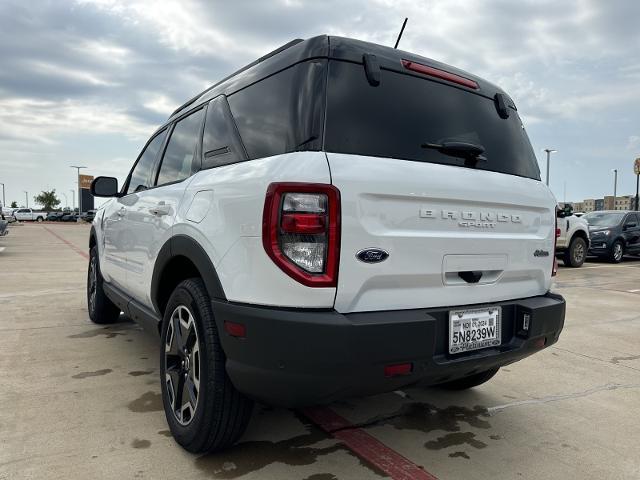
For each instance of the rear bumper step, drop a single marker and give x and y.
(294, 357)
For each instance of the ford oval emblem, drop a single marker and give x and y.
(372, 255)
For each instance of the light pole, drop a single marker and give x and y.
(73, 197)
(26, 198)
(4, 204)
(615, 186)
(66, 199)
(79, 191)
(549, 152)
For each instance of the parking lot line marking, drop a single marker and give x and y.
(635, 290)
(365, 446)
(568, 396)
(68, 243)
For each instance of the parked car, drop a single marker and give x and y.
(70, 217)
(28, 215)
(336, 219)
(573, 239)
(54, 216)
(614, 233)
(88, 216)
(6, 211)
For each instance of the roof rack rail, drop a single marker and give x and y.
(261, 59)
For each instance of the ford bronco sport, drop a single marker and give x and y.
(336, 219)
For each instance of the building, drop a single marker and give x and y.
(589, 205)
(626, 202)
(608, 202)
(578, 206)
(599, 204)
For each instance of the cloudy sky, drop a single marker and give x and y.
(87, 81)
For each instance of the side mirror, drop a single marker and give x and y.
(105, 187)
(559, 213)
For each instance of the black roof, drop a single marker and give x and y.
(324, 46)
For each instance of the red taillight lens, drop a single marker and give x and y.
(301, 231)
(437, 73)
(554, 269)
(309, 223)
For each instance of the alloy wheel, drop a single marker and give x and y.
(617, 251)
(182, 365)
(578, 253)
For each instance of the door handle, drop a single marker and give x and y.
(160, 209)
(121, 212)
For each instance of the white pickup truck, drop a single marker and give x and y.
(573, 239)
(29, 215)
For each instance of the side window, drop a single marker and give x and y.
(631, 219)
(221, 144)
(141, 175)
(282, 113)
(177, 162)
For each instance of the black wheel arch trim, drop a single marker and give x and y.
(185, 246)
(93, 236)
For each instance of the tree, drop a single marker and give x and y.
(14, 204)
(48, 200)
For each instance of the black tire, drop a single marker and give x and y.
(470, 381)
(221, 413)
(617, 252)
(576, 254)
(39, 219)
(101, 309)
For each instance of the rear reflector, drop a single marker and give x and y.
(235, 329)
(398, 369)
(540, 342)
(437, 73)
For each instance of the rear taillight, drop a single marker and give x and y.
(301, 231)
(554, 269)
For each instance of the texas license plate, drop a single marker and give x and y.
(474, 329)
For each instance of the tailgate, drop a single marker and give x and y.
(454, 235)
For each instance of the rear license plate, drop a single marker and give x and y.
(474, 329)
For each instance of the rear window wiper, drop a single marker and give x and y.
(470, 152)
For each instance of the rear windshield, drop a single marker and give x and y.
(405, 112)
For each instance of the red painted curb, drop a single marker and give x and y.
(73, 247)
(365, 446)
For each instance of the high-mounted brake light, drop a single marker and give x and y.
(437, 73)
(301, 231)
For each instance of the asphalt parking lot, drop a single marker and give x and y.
(83, 401)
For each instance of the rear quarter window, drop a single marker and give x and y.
(405, 111)
(282, 113)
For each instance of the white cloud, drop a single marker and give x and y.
(44, 121)
(161, 104)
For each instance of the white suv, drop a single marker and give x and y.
(336, 219)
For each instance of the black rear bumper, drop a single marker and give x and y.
(294, 357)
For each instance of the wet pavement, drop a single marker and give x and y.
(83, 401)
